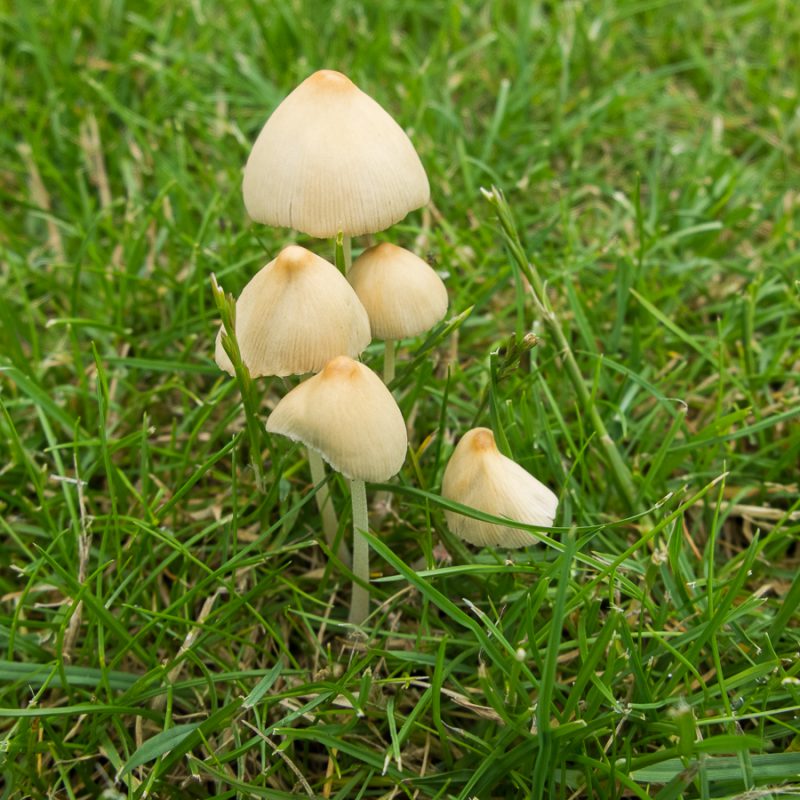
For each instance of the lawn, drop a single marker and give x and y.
(619, 179)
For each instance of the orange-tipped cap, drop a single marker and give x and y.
(295, 315)
(478, 475)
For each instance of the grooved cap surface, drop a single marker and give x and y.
(402, 294)
(348, 416)
(329, 159)
(294, 316)
(478, 475)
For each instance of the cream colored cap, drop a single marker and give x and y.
(402, 294)
(478, 475)
(330, 159)
(348, 416)
(295, 315)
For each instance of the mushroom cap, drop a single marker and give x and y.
(295, 315)
(330, 159)
(402, 294)
(349, 417)
(478, 475)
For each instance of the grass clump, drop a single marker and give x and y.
(170, 630)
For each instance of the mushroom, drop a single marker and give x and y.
(330, 159)
(295, 315)
(402, 294)
(350, 418)
(478, 475)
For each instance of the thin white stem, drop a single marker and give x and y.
(388, 361)
(330, 524)
(359, 605)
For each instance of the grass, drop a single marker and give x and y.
(171, 631)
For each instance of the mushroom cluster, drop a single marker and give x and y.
(331, 162)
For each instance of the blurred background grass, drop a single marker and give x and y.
(649, 152)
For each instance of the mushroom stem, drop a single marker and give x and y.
(330, 524)
(388, 361)
(359, 605)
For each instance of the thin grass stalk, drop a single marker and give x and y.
(347, 244)
(388, 361)
(343, 253)
(619, 470)
(256, 433)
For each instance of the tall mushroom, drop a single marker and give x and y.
(293, 317)
(478, 475)
(402, 294)
(350, 418)
(330, 159)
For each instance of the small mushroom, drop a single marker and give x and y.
(478, 475)
(295, 315)
(330, 159)
(403, 296)
(350, 418)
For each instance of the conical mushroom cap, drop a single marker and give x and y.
(402, 294)
(330, 159)
(347, 415)
(295, 315)
(478, 475)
